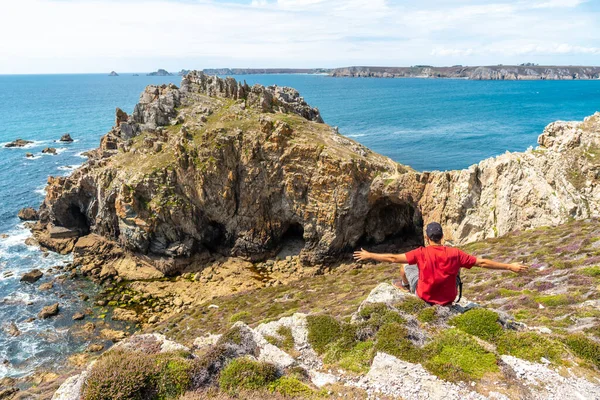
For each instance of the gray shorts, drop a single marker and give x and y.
(412, 274)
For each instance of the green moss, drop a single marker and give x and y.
(591, 271)
(240, 316)
(555, 300)
(357, 359)
(478, 322)
(529, 346)
(393, 339)
(234, 335)
(411, 305)
(508, 293)
(289, 386)
(246, 374)
(427, 315)
(585, 348)
(174, 377)
(322, 330)
(378, 314)
(456, 356)
(287, 339)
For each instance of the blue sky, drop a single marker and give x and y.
(63, 36)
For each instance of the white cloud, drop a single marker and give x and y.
(129, 35)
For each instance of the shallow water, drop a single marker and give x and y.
(428, 124)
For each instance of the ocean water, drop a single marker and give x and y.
(427, 124)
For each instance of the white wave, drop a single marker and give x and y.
(33, 144)
(356, 135)
(41, 190)
(69, 167)
(33, 158)
(81, 155)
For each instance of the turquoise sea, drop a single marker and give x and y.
(427, 124)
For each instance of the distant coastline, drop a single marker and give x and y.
(494, 72)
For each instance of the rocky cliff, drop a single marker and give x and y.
(499, 72)
(218, 167)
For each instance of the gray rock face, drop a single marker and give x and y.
(49, 150)
(32, 276)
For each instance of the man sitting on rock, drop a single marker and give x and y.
(432, 270)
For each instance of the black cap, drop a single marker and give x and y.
(434, 231)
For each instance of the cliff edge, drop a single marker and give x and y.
(219, 167)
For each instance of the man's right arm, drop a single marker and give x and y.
(491, 264)
(364, 255)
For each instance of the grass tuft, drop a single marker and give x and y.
(478, 322)
(246, 374)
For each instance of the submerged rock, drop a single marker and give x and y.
(49, 150)
(18, 143)
(32, 276)
(49, 311)
(66, 138)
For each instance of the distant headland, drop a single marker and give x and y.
(527, 71)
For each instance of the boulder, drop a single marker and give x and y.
(49, 311)
(28, 214)
(29, 155)
(12, 329)
(66, 138)
(121, 314)
(18, 143)
(46, 286)
(49, 150)
(32, 276)
(78, 316)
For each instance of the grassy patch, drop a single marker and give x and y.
(591, 271)
(246, 374)
(356, 359)
(479, 322)
(243, 316)
(529, 346)
(584, 348)
(289, 386)
(456, 356)
(393, 339)
(411, 305)
(322, 330)
(427, 315)
(555, 300)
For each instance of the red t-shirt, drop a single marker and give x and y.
(438, 268)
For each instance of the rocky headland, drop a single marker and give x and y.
(160, 72)
(495, 72)
(216, 203)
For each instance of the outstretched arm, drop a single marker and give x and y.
(491, 264)
(364, 255)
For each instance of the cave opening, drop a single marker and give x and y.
(292, 241)
(392, 227)
(76, 220)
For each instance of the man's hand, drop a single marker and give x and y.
(362, 255)
(518, 267)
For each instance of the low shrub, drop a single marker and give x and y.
(246, 374)
(585, 348)
(289, 386)
(456, 356)
(591, 271)
(287, 339)
(529, 346)
(243, 316)
(411, 305)
(555, 300)
(126, 375)
(427, 315)
(478, 322)
(393, 339)
(322, 330)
